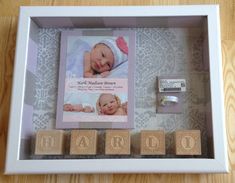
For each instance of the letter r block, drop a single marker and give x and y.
(49, 142)
(152, 142)
(117, 142)
(188, 142)
(83, 142)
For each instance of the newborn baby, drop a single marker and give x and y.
(109, 104)
(105, 56)
(78, 108)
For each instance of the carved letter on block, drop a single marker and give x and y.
(83, 142)
(188, 142)
(49, 142)
(117, 142)
(152, 142)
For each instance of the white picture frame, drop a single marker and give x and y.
(27, 17)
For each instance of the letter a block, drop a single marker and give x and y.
(83, 142)
(152, 142)
(117, 142)
(188, 142)
(49, 142)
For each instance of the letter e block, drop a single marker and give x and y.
(152, 142)
(83, 142)
(117, 142)
(49, 142)
(188, 142)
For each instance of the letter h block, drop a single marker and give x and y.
(49, 142)
(188, 142)
(83, 142)
(117, 142)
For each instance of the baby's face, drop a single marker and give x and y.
(108, 104)
(68, 107)
(102, 58)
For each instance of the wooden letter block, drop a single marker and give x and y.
(117, 142)
(49, 142)
(188, 142)
(83, 142)
(152, 142)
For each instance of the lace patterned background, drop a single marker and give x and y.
(159, 52)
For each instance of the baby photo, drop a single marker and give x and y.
(97, 57)
(110, 104)
(94, 78)
(94, 105)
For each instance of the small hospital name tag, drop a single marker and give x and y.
(172, 85)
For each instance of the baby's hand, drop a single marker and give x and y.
(105, 74)
(78, 107)
(88, 75)
(88, 109)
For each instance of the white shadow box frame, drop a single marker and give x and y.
(146, 16)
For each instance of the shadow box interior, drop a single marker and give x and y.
(164, 46)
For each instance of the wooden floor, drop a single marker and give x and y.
(9, 10)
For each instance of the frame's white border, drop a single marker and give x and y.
(218, 164)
